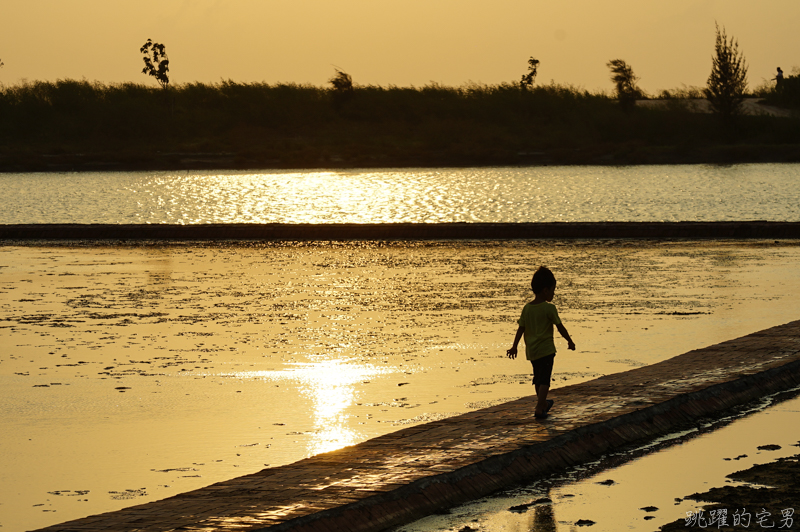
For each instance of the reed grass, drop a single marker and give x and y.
(45, 124)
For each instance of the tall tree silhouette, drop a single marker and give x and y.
(625, 81)
(728, 80)
(156, 62)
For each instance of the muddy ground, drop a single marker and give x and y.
(768, 500)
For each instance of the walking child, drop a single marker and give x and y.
(536, 324)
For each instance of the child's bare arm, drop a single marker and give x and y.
(565, 334)
(512, 353)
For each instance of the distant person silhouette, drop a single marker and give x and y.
(778, 78)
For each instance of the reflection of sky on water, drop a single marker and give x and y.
(414, 195)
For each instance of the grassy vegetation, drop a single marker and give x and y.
(84, 125)
(787, 95)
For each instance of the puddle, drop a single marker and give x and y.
(133, 373)
(643, 493)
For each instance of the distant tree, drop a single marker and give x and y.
(342, 86)
(342, 81)
(528, 79)
(625, 81)
(156, 62)
(727, 83)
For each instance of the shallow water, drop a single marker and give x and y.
(642, 494)
(130, 374)
(417, 195)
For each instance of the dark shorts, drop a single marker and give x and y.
(543, 369)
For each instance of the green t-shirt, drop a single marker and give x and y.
(538, 321)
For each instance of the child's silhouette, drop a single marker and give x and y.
(536, 324)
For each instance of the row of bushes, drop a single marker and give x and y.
(131, 107)
(291, 122)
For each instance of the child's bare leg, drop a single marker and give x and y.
(541, 398)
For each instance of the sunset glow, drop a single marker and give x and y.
(392, 43)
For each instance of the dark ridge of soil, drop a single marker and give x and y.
(772, 502)
(403, 231)
(367, 157)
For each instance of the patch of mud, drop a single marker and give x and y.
(628, 362)
(128, 494)
(477, 405)
(425, 418)
(768, 499)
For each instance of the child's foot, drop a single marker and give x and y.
(543, 415)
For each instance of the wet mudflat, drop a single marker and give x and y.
(131, 373)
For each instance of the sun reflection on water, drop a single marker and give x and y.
(329, 386)
(408, 195)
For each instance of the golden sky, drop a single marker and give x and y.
(394, 42)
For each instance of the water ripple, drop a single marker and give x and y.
(427, 195)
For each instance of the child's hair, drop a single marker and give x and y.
(543, 278)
